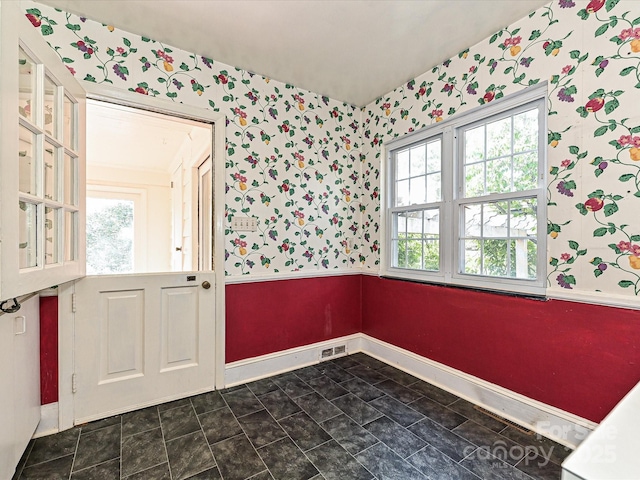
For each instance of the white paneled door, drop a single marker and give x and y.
(142, 340)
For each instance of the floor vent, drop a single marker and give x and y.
(520, 428)
(333, 351)
(326, 353)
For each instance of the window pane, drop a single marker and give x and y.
(414, 253)
(434, 156)
(418, 190)
(51, 229)
(523, 259)
(401, 224)
(472, 218)
(402, 193)
(419, 248)
(523, 218)
(525, 131)
(27, 162)
(525, 171)
(474, 180)
(50, 107)
(401, 260)
(402, 165)
(494, 219)
(69, 125)
(109, 236)
(434, 188)
(70, 180)
(414, 222)
(432, 221)
(432, 254)
(472, 257)
(70, 236)
(27, 86)
(495, 258)
(28, 240)
(506, 243)
(499, 175)
(499, 138)
(474, 145)
(50, 172)
(418, 166)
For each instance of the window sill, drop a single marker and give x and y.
(520, 291)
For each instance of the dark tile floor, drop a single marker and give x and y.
(350, 418)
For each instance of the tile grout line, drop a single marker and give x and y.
(243, 430)
(193, 409)
(75, 452)
(287, 433)
(164, 442)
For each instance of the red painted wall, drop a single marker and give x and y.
(48, 350)
(266, 317)
(577, 357)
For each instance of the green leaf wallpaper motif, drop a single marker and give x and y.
(593, 158)
(308, 167)
(292, 156)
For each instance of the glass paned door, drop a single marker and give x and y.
(42, 177)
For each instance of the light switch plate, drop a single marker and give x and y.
(244, 224)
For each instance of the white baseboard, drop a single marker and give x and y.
(48, 420)
(255, 368)
(563, 427)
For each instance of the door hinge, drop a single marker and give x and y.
(171, 184)
(73, 303)
(74, 384)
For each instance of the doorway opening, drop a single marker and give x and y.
(149, 191)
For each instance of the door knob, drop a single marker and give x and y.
(206, 285)
(178, 249)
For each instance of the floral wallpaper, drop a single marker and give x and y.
(308, 166)
(589, 53)
(292, 156)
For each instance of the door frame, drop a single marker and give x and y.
(66, 335)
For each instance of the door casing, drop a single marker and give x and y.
(66, 334)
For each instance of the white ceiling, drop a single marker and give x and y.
(134, 139)
(350, 50)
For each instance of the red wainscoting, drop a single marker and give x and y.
(577, 357)
(266, 317)
(48, 350)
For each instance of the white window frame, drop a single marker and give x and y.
(452, 198)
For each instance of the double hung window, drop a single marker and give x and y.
(465, 199)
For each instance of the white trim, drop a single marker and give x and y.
(66, 364)
(255, 368)
(563, 427)
(371, 273)
(219, 202)
(48, 420)
(452, 199)
(65, 317)
(596, 298)
(269, 277)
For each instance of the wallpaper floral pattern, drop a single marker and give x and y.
(292, 156)
(589, 53)
(308, 167)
